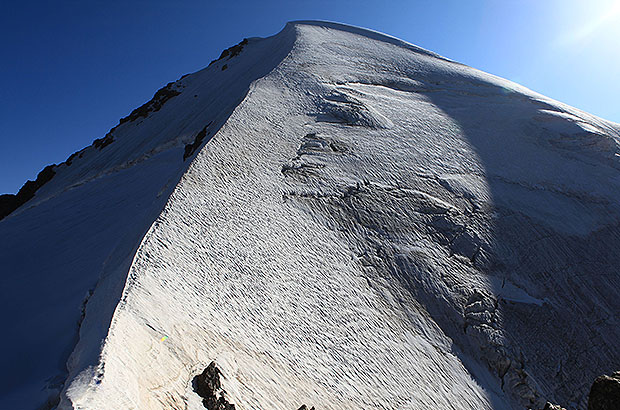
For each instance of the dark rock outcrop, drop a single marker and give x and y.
(605, 393)
(191, 148)
(232, 51)
(155, 104)
(101, 143)
(77, 154)
(209, 387)
(10, 202)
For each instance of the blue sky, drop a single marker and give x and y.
(72, 69)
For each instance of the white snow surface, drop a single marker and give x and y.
(366, 225)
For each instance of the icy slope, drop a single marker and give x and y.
(74, 241)
(375, 226)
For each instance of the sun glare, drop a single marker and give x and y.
(600, 18)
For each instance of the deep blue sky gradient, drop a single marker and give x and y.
(71, 69)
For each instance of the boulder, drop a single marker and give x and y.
(605, 393)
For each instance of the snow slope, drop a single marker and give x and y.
(78, 235)
(368, 225)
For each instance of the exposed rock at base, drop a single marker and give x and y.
(605, 393)
(208, 386)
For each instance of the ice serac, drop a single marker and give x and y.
(369, 225)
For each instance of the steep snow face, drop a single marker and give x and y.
(375, 226)
(75, 240)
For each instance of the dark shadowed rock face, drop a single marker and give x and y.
(232, 51)
(159, 99)
(7, 204)
(10, 202)
(208, 386)
(605, 393)
(208, 382)
(191, 148)
(101, 143)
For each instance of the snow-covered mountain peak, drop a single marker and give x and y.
(337, 218)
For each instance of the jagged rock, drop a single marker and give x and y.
(191, 148)
(208, 382)
(304, 407)
(77, 154)
(10, 202)
(101, 143)
(208, 386)
(605, 393)
(159, 99)
(232, 51)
